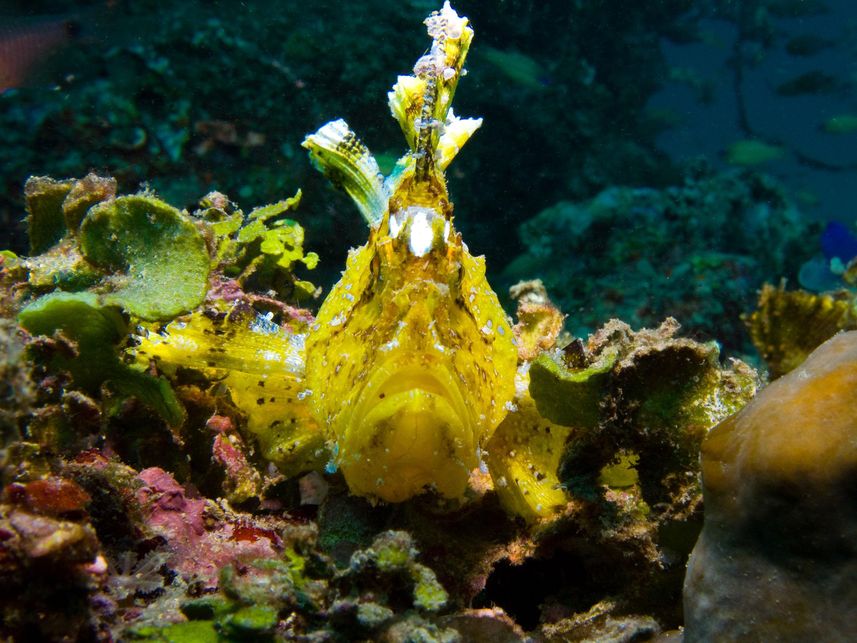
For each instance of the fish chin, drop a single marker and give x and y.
(410, 431)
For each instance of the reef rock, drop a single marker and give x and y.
(777, 557)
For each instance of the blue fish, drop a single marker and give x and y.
(838, 241)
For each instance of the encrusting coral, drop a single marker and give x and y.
(787, 325)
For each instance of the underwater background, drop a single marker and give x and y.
(581, 101)
(653, 447)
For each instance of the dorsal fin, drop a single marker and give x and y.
(422, 104)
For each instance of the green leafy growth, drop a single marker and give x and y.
(429, 594)
(570, 396)
(264, 248)
(94, 331)
(284, 585)
(161, 254)
(188, 632)
(669, 391)
(45, 219)
(208, 607)
(56, 208)
(251, 623)
(393, 552)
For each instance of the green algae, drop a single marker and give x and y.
(393, 553)
(45, 220)
(271, 244)
(429, 594)
(261, 249)
(251, 623)
(94, 332)
(157, 257)
(570, 396)
(187, 632)
(207, 608)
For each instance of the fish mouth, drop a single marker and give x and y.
(410, 430)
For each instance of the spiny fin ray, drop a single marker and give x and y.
(347, 162)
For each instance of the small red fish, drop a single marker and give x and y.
(23, 47)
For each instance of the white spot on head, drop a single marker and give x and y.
(421, 237)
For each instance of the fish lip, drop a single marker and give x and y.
(420, 435)
(429, 376)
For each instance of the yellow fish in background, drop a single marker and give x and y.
(411, 360)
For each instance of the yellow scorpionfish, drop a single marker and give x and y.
(410, 364)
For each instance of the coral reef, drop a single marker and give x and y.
(635, 405)
(200, 460)
(776, 558)
(617, 255)
(49, 557)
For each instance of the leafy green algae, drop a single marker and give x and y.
(262, 249)
(187, 632)
(570, 396)
(45, 219)
(94, 332)
(157, 258)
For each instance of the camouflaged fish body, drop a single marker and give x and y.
(410, 365)
(411, 359)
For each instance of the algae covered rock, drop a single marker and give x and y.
(777, 557)
(737, 230)
(643, 400)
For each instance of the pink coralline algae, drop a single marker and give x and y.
(196, 532)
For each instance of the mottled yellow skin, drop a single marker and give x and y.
(261, 364)
(523, 457)
(411, 364)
